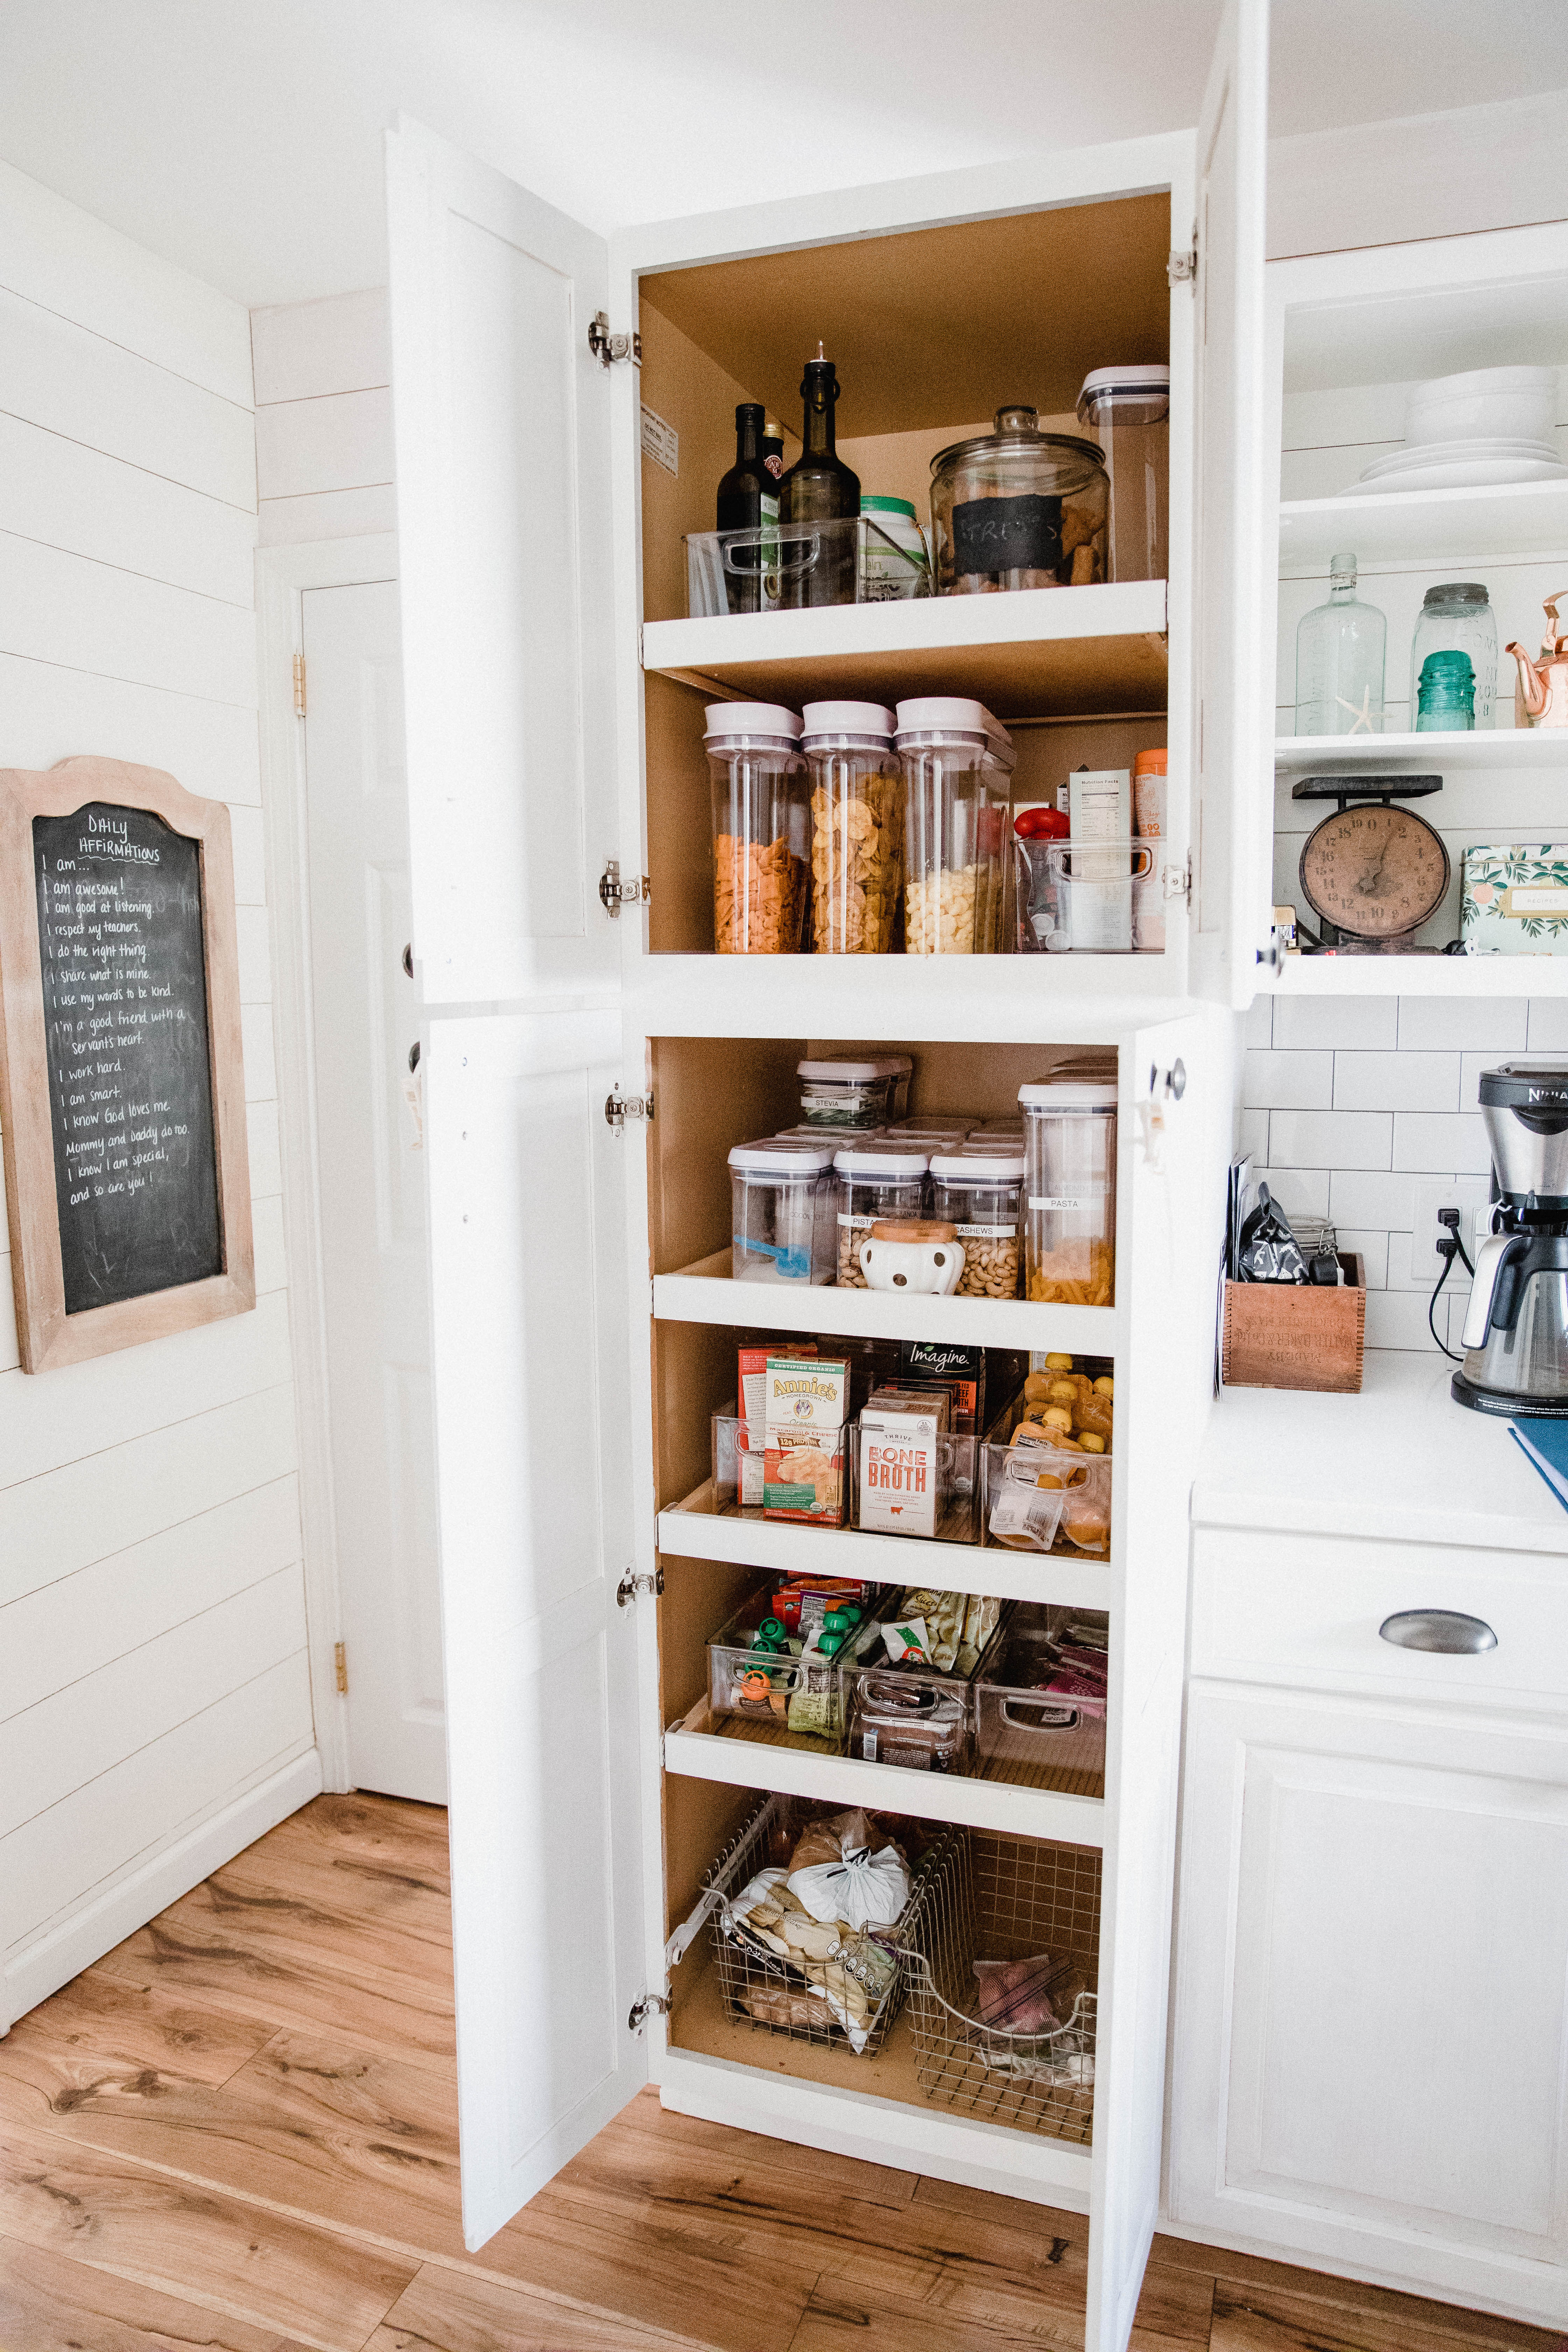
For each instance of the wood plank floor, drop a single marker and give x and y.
(237, 2134)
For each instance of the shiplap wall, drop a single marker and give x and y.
(155, 1702)
(323, 418)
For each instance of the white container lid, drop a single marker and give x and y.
(831, 1131)
(1067, 1093)
(989, 1126)
(846, 718)
(1143, 378)
(943, 714)
(779, 1157)
(935, 1125)
(975, 1167)
(724, 719)
(849, 1074)
(895, 1065)
(880, 1158)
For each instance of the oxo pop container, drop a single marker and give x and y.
(1130, 408)
(761, 828)
(953, 824)
(1069, 1223)
(982, 1193)
(781, 1212)
(875, 1180)
(857, 826)
(844, 1094)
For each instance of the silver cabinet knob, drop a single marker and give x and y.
(1447, 1630)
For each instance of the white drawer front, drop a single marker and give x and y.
(1307, 1609)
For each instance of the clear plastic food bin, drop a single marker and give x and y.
(1043, 1498)
(844, 1094)
(782, 1225)
(874, 1180)
(1017, 1720)
(950, 1515)
(739, 1457)
(774, 567)
(1069, 1151)
(761, 828)
(758, 1672)
(982, 1194)
(857, 826)
(1082, 898)
(953, 827)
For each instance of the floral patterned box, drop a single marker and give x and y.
(1515, 899)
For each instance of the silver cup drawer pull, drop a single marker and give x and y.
(1447, 1630)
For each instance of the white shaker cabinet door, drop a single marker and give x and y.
(502, 420)
(531, 1358)
(1372, 2008)
(1232, 759)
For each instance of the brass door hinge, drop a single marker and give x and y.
(341, 1667)
(299, 685)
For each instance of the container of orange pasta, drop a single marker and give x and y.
(1069, 1184)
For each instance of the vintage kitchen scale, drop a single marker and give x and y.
(1375, 871)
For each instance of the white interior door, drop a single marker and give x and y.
(503, 450)
(1233, 820)
(366, 1014)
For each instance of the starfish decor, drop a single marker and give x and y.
(1361, 719)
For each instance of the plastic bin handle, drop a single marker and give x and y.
(773, 569)
(1038, 1715)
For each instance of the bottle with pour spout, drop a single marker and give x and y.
(819, 569)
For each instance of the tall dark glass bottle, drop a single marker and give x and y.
(819, 488)
(748, 499)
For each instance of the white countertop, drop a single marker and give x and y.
(1400, 1460)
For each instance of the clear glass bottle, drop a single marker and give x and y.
(1457, 617)
(1340, 651)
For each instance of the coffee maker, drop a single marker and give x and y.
(1516, 1330)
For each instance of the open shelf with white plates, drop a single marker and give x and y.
(1509, 519)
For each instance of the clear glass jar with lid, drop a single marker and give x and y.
(857, 826)
(878, 1178)
(982, 1194)
(780, 1212)
(952, 840)
(1070, 1226)
(1018, 508)
(1457, 617)
(836, 1093)
(761, 828)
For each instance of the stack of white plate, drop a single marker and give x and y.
(1464, 431)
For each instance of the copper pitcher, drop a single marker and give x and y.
(1542, 694)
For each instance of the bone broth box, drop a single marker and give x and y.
(900, 1465)
(806, 1403)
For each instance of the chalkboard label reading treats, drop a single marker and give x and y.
(1023, 534)
(130, 1075)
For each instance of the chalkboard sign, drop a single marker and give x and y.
(123, 1109)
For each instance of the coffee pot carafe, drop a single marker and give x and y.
(1515, 1337)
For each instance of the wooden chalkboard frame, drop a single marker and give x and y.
(47, 1335)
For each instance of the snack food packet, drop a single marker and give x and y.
(1270, 1250)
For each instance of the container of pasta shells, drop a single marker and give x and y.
(1018, 508)
(1070, 1225)
(857, 826)
(952, 825)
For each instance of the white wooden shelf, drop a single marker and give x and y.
(1040, 652)
(693, 1530)
(1506, 519)
(1374, 976)
(1060, 999)
(708, 1292)
(692, 1749)
(1492, 747)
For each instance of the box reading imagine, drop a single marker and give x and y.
(122, 1086)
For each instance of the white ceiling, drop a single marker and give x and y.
(242, 138)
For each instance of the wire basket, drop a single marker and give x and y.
(987, 1898)
(763, 1990)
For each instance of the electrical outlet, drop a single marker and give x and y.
(1466, 1193)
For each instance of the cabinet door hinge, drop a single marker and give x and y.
(1177, 881)
(607, 348)
(632, 1587)
(1182, 268)
(619, 1107)
(299, 685)
(615, 894)
(341, 1667)
(646, 2005)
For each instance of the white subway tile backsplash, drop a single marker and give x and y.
(1547, 1025)
(1397, 1319)
(1392, 1081)
(1451, 1024)
(1301, 1192)
(1368, 1025)
(1374, 1248)
(1370, 1201)
(1257, 1023)
(1291, 1081)
(1331, 1138)
(1437, 1143)
(1252, 1134)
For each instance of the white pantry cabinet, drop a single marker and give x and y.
(584, 1318)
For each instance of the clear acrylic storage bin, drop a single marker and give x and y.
(1083, 897)
(1022, 1724)
(771, 568)
(943, 1509)
(1023, 1486)
(802, 1692)
(738, 1465)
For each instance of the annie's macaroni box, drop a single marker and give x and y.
(805, 1401)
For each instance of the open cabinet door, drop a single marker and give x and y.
(502, 444)
(1232, 764)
